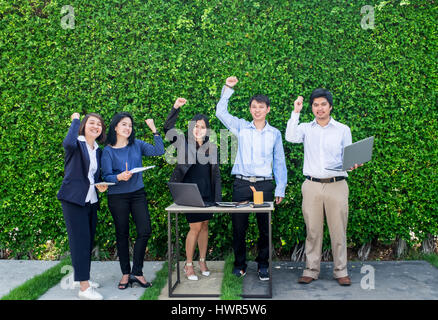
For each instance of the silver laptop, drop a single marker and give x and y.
(187, 194)
(356, 153)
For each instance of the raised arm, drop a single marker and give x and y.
(69, 142)
(172, 117)
(157, 149)
(294, 132)
(232, 123)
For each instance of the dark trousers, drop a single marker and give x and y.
(242, 192)
(120, 206)
(81, 228)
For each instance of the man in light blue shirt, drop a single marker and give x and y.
(259, 154)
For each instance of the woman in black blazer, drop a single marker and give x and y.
(78, 195)
(194, 169)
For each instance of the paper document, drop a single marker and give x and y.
(104, 184)
(140, 169)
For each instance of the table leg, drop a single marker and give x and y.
(169, 252)
(177, 248)
(270, 255)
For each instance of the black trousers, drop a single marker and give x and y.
(81, 228)
(120, 206)
(242, 192)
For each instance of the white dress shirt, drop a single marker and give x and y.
(91, 195)
(323, 146)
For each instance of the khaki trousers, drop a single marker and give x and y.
(331, 199)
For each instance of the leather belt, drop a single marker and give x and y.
(327, 180)
(252, 179)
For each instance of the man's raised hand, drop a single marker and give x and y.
(231, 81)
(179, 103)
(298, 104)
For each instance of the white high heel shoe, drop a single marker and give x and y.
(193, 277)
(205, 273)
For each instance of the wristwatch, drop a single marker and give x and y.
(156, 133)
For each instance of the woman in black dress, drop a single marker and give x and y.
(196, 166)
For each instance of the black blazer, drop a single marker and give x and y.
(181, 169)
(75, 185)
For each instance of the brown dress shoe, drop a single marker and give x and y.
(344, 281)
(305, 280)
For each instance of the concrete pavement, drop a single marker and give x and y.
(373, 280)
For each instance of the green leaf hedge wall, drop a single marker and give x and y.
(139, 56)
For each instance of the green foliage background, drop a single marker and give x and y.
(139, 56)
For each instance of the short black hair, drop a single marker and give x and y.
(111, 137)
(261, 99)
(321, 93)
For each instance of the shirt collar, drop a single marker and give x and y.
(82, 138)
(266, 127)
(331, 122)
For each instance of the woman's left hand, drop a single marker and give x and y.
(102, 188)
(151, 125)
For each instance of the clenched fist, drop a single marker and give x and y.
(179, 103)
(298, 104)
(151, 125)
(231, 81)
(75, 116)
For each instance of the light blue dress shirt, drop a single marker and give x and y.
(260, 152)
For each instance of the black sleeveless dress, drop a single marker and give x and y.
(201, 175)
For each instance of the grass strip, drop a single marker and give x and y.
(431, 258)
(231, 285)
(159, 282)
(35, 287)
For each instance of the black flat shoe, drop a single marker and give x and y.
(133, 279)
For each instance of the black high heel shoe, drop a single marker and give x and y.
(123, 286)
(133, 279)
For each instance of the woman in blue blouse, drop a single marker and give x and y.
(122, 153)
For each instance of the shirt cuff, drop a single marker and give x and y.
(226, 92)
(294, 115)
(279, 191)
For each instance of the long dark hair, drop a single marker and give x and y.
(111, 138)
(102, 137)
(192, 124)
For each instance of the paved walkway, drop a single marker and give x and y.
(14, 272)
(388, 280)
(385, 280)
(108, 275)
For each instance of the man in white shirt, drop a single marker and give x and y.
(324, 191)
